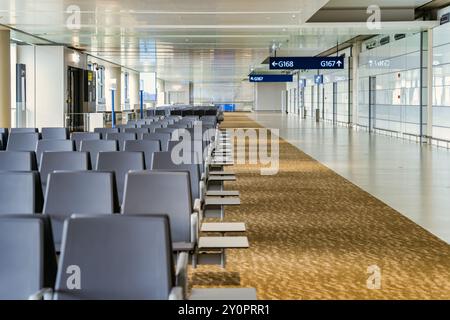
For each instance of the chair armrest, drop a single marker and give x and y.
(194, 227)
(181, 274)
(43, 294)
(197, 205)
(202, 188)
(176, 293)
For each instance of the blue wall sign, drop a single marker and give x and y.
(270, 78)
(318, 79)
(305, 63)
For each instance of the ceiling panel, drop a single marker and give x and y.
(196, 40)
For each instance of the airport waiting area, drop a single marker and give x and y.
(141, 205)
(208, 159)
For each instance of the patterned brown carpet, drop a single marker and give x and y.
(313, 235)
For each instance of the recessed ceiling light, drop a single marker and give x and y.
(293, 16)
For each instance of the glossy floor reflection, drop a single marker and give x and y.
(413, 180)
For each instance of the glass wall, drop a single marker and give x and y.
(390, 82)
(441, 82)
(337, 90)
(309, 91)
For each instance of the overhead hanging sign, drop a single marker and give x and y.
(305, 63)
(270, 78)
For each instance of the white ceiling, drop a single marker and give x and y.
(196, 40)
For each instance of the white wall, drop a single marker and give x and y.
(50, 92)
(268, 96)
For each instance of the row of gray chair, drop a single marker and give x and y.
(28, 268)
(63, 198)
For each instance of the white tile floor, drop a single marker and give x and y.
(412, 179)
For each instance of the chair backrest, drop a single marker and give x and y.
(24, 130)
(148, 147)
(52, 145)
(121, 138)
(138, 131)
(165, 161)
(96, 146)
(131, 259)
(164, 139)
(120, 163)
(78, 191)
(27, 256)
(164, 192)
(122, 127)
(20, 192)
(22, 141)
(140, 122)
(17, 161)
(165, 130)
(178, 126)
(62, 160)
(104, 131)
(80, 136)
(55, 133)
(151, 127)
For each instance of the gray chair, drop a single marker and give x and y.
(80, 136)
(167, 192)
(165, 161)
(27, 256)
(148, 147)
(24, 130)
(18, 161)
(52, 145)
(165, 130)
(152, 126)
(138, 131)
(164, 139)
(131, 258)
(178, 126)
(122, 127)
(120, 163)
(121, 138)
(62, 160)
(78, 191)
(55, 133)
(140, 122)
(20, 192)
(96, 146)
(22, 141)
(104, 131)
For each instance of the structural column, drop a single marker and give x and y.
(5, 79)
(429, 131)
(355, 82)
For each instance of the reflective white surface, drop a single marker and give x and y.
(413, 180)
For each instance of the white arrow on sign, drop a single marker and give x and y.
(274, 64)
(339, 63)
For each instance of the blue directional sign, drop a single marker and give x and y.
(270, 78)
(318, 79)
(304, 63)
